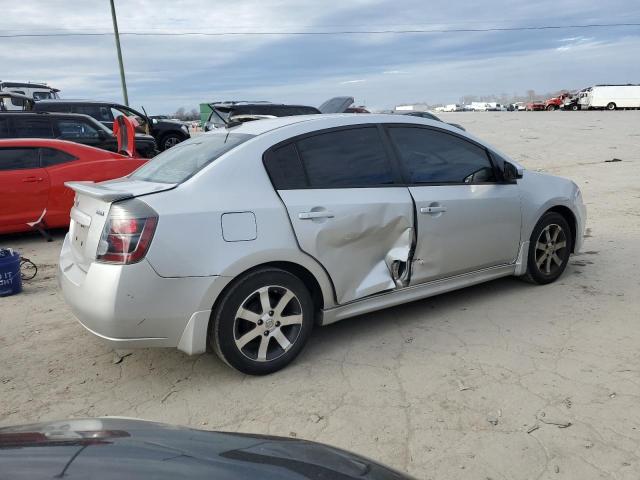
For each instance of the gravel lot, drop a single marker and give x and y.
(501, 381)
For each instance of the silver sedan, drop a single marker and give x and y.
(243, 239)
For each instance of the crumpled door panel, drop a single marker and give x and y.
(364, 242)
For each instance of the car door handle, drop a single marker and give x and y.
(438, 209)
(312, 215)
(32, 179)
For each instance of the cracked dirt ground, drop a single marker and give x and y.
(503, 381)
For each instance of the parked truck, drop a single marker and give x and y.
(554, 103)
(611, 97)
(34, 91)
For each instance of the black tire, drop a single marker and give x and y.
(169, 140)
(227, 329)
(574, 108)
(611, 106)
(551, 108)
(548, 270)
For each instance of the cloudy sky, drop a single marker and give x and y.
(380, 70)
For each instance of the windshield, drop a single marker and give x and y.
(184, 160)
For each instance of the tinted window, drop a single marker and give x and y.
(42, 95)
(4, 127)
(284, 168)
(18, 158)
(76, 129)
(31, 127)
(346, 158)
(51, 156)
(18, 102)
(95, 111)
(431, 156)
(52, 107)
(187, 158)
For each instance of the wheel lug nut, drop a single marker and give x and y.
(266, 334)
(271, 313)
(277, 324)
(260, 322)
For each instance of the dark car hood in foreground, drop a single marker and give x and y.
(115, 448)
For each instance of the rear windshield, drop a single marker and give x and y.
(187, 158)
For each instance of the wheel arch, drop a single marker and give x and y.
(300, 271)
(570, 217)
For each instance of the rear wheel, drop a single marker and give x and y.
(611, 106)
(574, 108)
(551, 108)
(549, 249)
(262, 322)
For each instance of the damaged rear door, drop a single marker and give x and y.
(347, 210)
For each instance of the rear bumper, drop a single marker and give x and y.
(130, 306)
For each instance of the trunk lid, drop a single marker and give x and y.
(91, 209)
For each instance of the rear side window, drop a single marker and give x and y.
(354, 157)
(18, 158)
(432, 156)
(32, 127)
(184, 160)
(51, 156)
(284, 168)
(17, 102)
(76, 129)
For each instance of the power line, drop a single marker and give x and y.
(337, 32)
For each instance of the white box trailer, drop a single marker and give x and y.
(613, 96)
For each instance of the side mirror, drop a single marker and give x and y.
(511, 173)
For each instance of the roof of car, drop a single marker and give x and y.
(53, 143)
(263, 126)
(27, 85)
(75, 100)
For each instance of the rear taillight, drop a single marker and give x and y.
(127, 233)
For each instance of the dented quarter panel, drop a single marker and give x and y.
(368, 230)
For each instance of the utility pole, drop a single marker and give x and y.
(117, 35)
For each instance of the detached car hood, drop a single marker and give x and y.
(336, 105)
(115, 448)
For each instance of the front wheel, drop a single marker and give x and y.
(262, 323)
(611, 106)
(574, 108)
(551, 108)
(170, 140)
(549, 249)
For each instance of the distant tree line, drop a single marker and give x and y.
(182, 114)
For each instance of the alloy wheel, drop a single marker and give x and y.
(551, 248)
(268, 323)
(171, 142)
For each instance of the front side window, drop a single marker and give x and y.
(184, 160)
(76, 129)
(354, 157)
(32, 127)
(51, 156)
(432, 156)
(18, 158)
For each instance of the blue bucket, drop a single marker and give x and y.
(10, 279)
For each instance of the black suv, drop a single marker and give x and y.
(166, 132)
(68, 126)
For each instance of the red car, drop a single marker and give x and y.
(533, 106)
(32, 176)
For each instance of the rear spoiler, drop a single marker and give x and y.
(94, 190)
